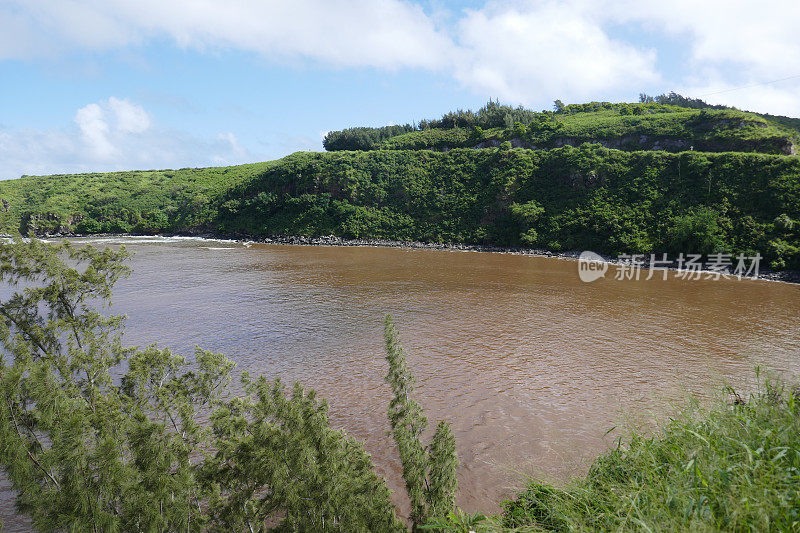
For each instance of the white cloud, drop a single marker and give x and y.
(736, 49)
(381, 33)
(234, 152)
(36, 152)
(532, 51)
(108, 125)
(113, 134)
(759, 36)
(527, 50)
(94, 130)
(522, 51)
(780, 99)
(538, 51)
(130, 118)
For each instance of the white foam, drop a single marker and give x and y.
(146, 239)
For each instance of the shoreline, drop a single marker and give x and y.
(786, 276)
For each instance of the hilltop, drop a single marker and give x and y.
(639, 126)
(614, 178)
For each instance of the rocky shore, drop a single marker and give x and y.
(788, 276)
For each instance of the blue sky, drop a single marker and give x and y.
(91, 85)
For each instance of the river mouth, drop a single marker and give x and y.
(529, 364)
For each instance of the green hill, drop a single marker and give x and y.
(429, 182)
(643, 126)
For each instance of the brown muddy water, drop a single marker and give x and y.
(530, 365)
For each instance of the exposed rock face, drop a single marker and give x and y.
(630, 142)
(42, 224)
(652, 142)
(578, 180)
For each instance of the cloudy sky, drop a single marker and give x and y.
(93, 85)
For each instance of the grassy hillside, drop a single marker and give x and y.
(612, 200)
(647, 126)
(118, 202)
(713, 131)
(567, 198)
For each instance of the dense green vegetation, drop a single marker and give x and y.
(612, 200)
(95, 436)
(362, 138)
(679, 100)
(118, 202)
(733, 468)
(564, 199)
(622, 126)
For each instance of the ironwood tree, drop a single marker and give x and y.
(98, 436)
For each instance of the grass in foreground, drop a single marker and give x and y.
(733, 468)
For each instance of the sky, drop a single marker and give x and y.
(103, 85)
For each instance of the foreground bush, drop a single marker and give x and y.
(735, 468)
(95, 436)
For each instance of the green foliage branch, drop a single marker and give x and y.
(96, 436)
(429, 471)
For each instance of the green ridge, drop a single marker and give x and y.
(561, 199)
(623, 126)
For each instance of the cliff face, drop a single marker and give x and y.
(777, 146)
